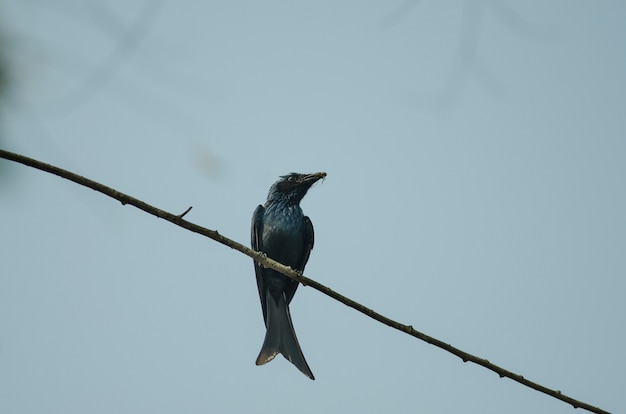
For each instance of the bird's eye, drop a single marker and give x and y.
(291, 179)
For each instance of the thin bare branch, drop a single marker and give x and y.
(272, 264)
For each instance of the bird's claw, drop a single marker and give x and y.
(263, 256)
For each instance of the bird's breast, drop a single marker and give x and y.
(283, 236)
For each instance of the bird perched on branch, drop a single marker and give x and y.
(282, 231)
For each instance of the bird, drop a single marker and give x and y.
(281, 231)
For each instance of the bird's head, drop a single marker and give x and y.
(293, 187)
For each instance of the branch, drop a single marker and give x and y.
(288, 271)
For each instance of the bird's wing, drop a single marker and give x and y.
(256, 234)
(309, 239)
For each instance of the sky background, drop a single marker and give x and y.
(476, 160)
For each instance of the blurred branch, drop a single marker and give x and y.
(401, 11)
(5, 67)
(272, 264)
(467, 62)
(126, 45)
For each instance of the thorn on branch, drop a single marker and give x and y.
(185, 212)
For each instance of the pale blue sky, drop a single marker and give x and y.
(476, 157)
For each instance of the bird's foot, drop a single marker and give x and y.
(300, 274)
(263, 256)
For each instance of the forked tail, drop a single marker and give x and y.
(280, 336)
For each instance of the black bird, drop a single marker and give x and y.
(282, 231)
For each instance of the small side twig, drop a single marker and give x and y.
(185, 212)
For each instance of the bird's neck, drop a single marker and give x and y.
(283, 207)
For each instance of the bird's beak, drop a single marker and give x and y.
(312, 178)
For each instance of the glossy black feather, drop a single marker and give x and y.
(285, 234)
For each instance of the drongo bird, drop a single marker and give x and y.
(282, 231)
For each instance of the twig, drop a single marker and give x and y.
(272, 264)
(185, 212)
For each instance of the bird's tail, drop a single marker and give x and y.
(280, 336)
